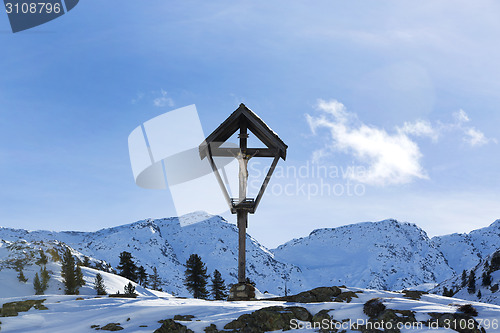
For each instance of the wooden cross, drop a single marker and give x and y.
(244, 120)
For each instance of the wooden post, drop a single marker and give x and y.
(242, 225)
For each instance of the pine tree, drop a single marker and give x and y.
(55, 256)
(464, 278)
(129, 289)
(80, 282)
(99, 284)
(486, 278)
(495, 261)
(142, 276)
(448, 292)
(479, 294)
(19, 266)
(37, 285)
(218, 286)
(127, 267)
(21, 277)
(154, 280)
(99, 266)
(43, 259)
(250, 282)
(196, 277)
(68, 273)
(45, 277)
(86, 261)
(471, 284)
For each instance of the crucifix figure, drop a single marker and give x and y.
(243, 160)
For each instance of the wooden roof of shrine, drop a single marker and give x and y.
(244, 118)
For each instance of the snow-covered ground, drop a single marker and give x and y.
(67, 314)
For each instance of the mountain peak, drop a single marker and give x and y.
(495, 224)
(465, 250)
(196, 217)
(378, 225)
(340, 255)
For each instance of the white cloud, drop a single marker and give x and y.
(420, 128)
(163, 100)
(390, 158)
(472, 136)
(158, 98)
(475, 137)
(336, 109)
(461, 117)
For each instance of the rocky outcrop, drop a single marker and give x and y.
(171, 326)
(320, 294)
(269, 319)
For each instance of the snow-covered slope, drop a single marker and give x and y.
(485, 289)
(164, 244)
(28, 254)
(383, 255)
(464, 251)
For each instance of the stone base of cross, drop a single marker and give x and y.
(242, 292)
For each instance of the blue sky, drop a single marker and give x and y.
(409, 92)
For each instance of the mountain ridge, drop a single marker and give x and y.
(465, 250)
(387, 254)
(379, 255)
(164, 244)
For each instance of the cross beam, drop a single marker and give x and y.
(254, 152)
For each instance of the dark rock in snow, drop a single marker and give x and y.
(269, 319)
(111, 327)
(171, 326)
(183, 317)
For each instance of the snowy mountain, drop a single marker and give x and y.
(385, 255)
(336, 308)
(465, 251)
(164, 244)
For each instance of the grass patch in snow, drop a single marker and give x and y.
(12, 309)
